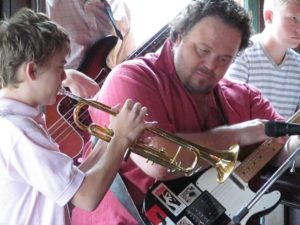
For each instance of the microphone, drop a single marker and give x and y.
(276, 128)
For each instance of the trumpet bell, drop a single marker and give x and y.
(227, 163)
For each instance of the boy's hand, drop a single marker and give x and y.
(130, 122)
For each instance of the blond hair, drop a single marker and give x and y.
(28, 36)
(277, 4)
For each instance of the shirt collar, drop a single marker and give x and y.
(165, 60)
(13, 107)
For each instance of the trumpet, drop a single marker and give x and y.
(224, 161)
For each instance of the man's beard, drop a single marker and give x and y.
(200, 90)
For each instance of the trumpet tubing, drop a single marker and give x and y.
(224, 162)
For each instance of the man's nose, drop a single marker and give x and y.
(211, 62)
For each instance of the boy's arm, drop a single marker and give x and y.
(101, 166)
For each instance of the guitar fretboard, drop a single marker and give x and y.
(261, 156)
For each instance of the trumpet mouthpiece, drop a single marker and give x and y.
(61, 91)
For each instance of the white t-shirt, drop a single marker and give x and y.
(37, 181)
(278, 83)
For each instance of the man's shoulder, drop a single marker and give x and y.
(140, 66)
(229, 83)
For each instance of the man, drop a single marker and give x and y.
(184, 90)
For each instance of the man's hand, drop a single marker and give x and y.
(80, 84)
(250, 132)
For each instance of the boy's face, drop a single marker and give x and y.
(48, 80)
(286, 24)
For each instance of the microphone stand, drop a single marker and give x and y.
(245, 210)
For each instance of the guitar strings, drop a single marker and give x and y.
(60, 129)
(68, 117)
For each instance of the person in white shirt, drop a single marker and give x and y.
(37, 180)
(270, 63)
(86, 22)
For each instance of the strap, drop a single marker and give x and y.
(220, 108)
(119, 189)
(111, 18)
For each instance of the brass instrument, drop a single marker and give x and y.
(224, 162)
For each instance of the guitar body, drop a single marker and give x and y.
(180, 201)
(227, 198)
(59, 117)
(200, 199)
(234, 195)
(95, 59)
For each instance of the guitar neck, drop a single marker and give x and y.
(257, 160)
(261, 156)
(152, 44)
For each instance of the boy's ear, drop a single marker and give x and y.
(268, 16)
(31, 70)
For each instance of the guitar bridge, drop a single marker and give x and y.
(205, 210)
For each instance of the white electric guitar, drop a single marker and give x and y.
(235, 193)
(209, 202)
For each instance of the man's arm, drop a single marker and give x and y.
(215, 140)
(290, 146)
(80, 84)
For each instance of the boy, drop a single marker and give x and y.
(37, 181)
(270, 63)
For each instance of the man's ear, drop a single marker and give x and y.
(31, 69)
(268, 16)
(177, 41)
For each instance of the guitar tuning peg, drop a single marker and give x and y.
(293, 170)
